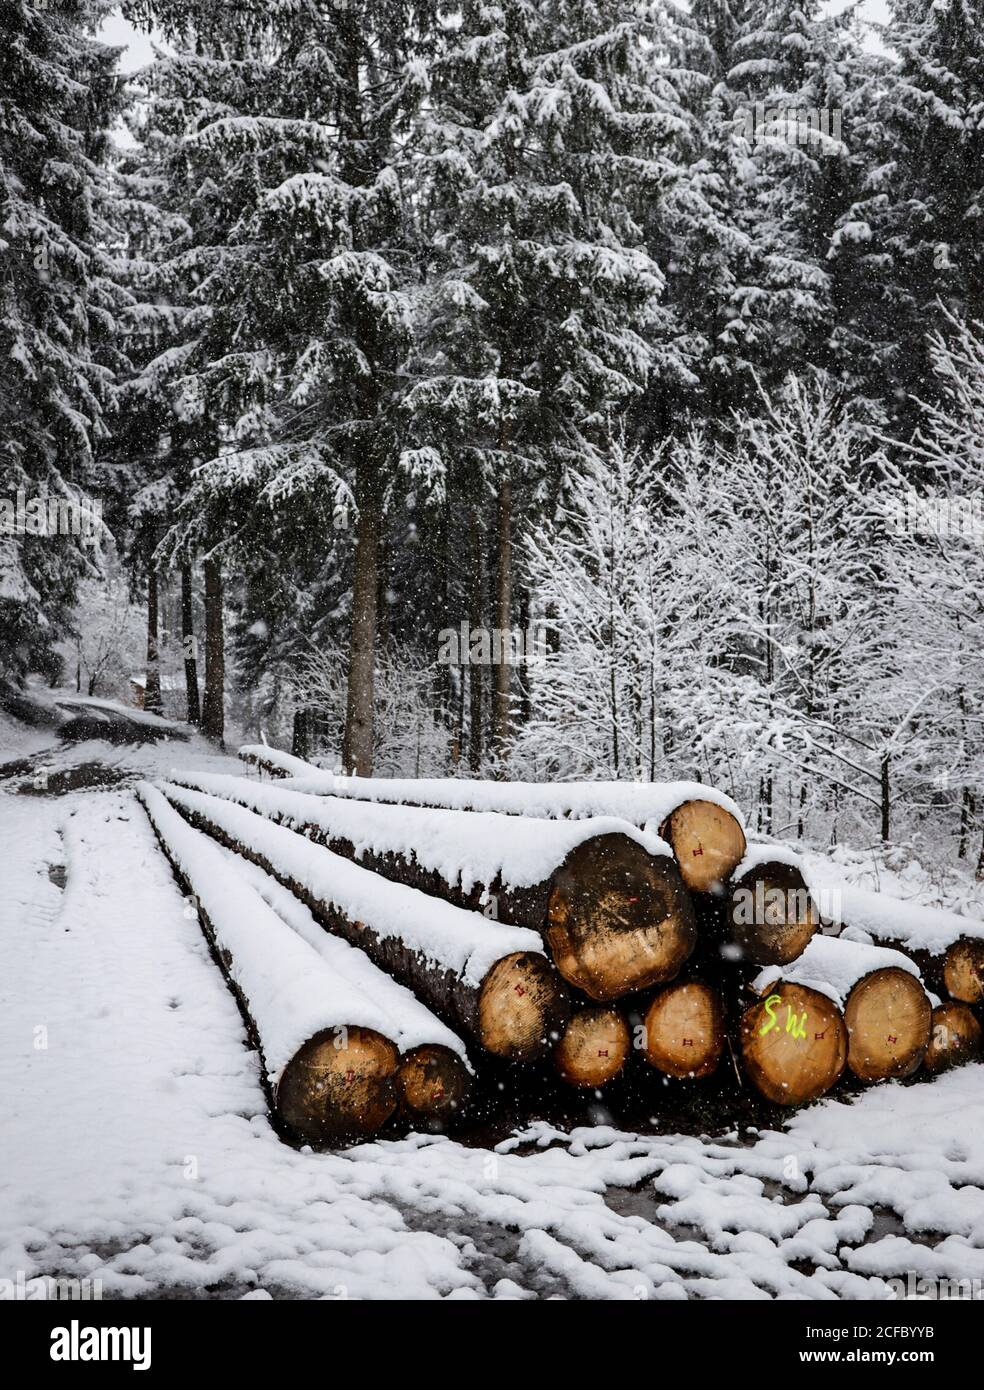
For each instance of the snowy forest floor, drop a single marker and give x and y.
(137, 1148)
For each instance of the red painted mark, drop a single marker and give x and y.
(893, 1037)
(350, 1076)
(520, 990)
(698, 850)
(439, 1093)
(603, 1054)
(632, 900)
(817, 1037)
(688, 1042)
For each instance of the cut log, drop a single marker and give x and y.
(340, 1085)
(925, 934)
(489, 981)
(433, 1081)
(707, 842)
(793, 1044)
(963, 970)
(328, 1065)
(886, 1009)
(888, 1025)
(275, 763)
(955, 1039)
(432, 1084)
(685, 1030)
(608, 899)
(640, 803)
(594, 1048)
(771, 915)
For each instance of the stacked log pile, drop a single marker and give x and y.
(605, 930)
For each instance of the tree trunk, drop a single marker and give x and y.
(503, 617)
(189, 643)
(886, 803)
(213, 707)
(475, 739)
(152, 687)
(299, 737)
(357, 747)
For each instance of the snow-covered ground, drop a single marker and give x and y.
(137, 1148)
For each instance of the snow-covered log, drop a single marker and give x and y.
(684, 1029)
(947, 948)
(793, 1043)
(594, 1048)
(956, 1038)
(432, 1080)
(492, 982)
(705, 828)
(606, 897)
(329, 1059)
(886, 1009)
(275, 763)
(771, 914)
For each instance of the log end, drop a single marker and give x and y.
(771, 914)
(794, 1044)
(618, 918)
(963, 970)
(341, 1085)
(523, 1007)
(956, 1038)
(432, 1083)
(685, 1030)
(594, 1048)
(708, 843)
(888, 1019)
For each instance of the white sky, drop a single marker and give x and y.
(119, 31)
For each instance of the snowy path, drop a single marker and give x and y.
(137, 1148)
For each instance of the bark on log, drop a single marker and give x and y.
(594, 1048)
(793, 1044)
(615, 917)
(771, 915)
(963, 970)
(517, 1010)
(956, 1038)
(685, 1030)
(707, 842)
(340, 1084)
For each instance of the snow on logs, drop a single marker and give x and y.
(947, 948)
(771, 914)
(703, 826)
(489, 980)
(329, 1026)
(887, 1013)
(607, 898)
(432, 1079)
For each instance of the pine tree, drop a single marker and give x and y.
(59, 300)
